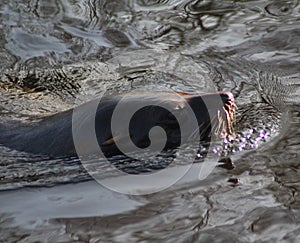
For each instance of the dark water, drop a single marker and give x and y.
(57, 54)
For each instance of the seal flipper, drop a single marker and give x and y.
(109, 142)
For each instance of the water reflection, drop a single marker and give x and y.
(284, 8)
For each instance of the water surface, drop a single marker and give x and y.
(57, 54)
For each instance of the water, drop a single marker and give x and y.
(58, 54)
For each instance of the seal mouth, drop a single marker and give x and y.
(226, 116)
(217, 121)
(228, 119)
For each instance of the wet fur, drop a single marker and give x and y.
(52, 135)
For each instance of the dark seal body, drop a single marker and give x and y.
(52, 135)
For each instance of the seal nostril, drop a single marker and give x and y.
(227, 97)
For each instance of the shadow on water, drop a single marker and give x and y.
(55, 55)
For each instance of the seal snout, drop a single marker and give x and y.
(227, 98)
(229, 109)
(229, 103)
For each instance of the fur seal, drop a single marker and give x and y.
(52, 135)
